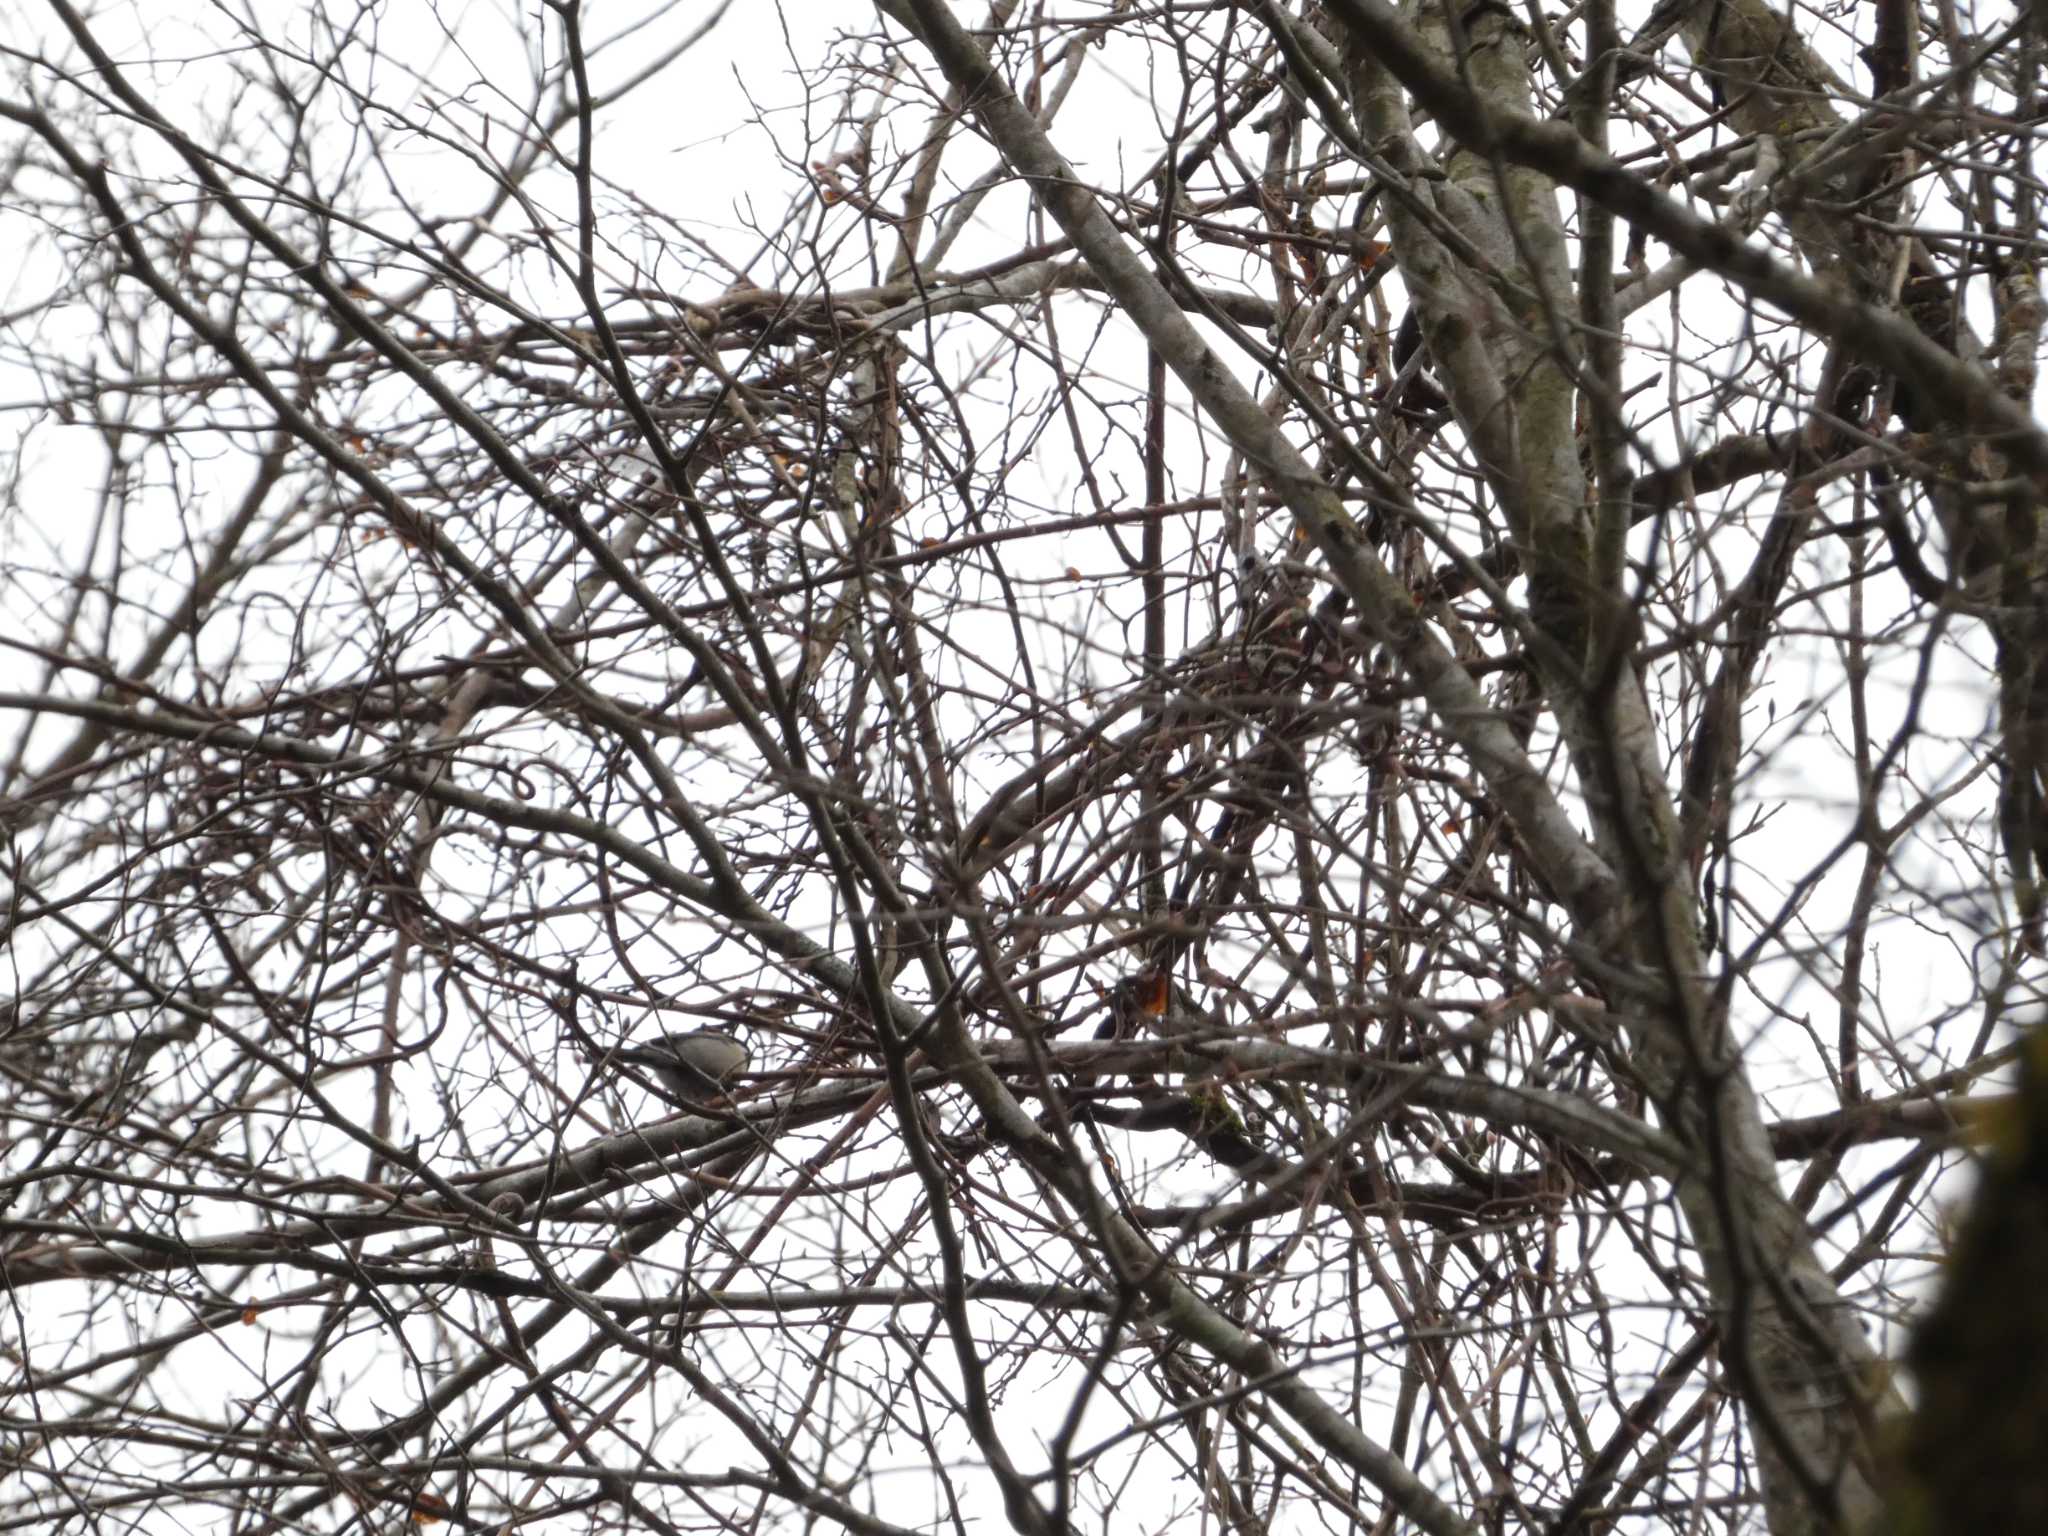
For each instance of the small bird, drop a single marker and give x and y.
(692, 1066)
(1137, 1003)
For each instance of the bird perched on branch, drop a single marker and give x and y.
(1149, 1001)
(692, 1066)
(1135, 1002)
